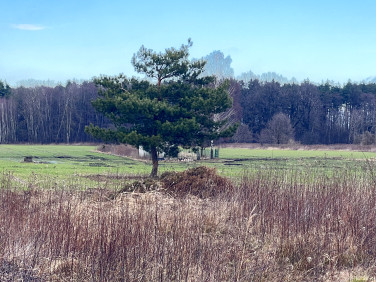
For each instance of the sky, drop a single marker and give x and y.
(79, 39)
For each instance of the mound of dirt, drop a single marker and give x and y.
(203, 182)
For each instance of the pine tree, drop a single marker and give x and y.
(176, 110)
(5, 90)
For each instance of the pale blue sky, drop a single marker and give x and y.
(65, 39)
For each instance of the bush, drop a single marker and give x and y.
(203, 182)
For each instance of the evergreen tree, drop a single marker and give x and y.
(5, 90)
(175, 111)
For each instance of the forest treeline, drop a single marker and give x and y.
(48, 114)
(267, 112)
(316, 114)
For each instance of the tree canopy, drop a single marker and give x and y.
(5, 90)
(175, 111)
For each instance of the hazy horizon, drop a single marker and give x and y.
(60, 41)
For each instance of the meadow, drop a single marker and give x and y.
(261, 215)
(61, 162)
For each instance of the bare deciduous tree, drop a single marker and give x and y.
(278, 130)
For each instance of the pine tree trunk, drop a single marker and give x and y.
(154, 159)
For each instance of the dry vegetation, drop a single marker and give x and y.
(269, 227)
(120, 150)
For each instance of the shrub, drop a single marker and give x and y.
(203, 182)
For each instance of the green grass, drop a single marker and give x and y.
(75, 164)
(231, 153)
(281, 159)
(78, 166)
(61, 163)
(63, 160)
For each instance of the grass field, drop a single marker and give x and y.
(74, 166)
(318, 161)
(63, 161)
(242, 153)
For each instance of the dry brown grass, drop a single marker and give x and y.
(269, 228)
(120, 150)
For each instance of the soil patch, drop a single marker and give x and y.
(100, 165)
(95, 158)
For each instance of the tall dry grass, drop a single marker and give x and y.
(272, 227)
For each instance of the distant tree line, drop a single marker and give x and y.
(307, 113)
(48, 114)
(268, 112)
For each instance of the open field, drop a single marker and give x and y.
(62, 161)
(324, 161)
